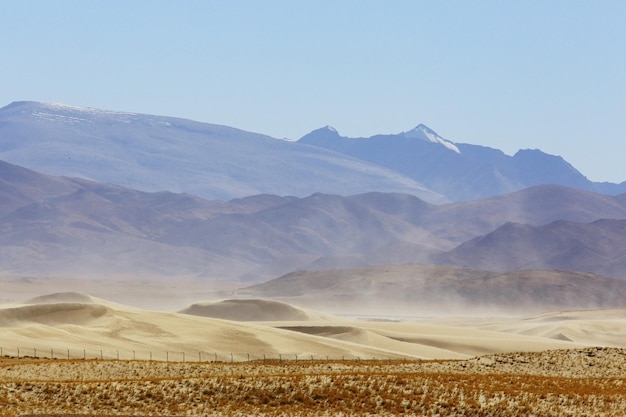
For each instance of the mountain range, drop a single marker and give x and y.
(156, 153)
(457, 170)
(157, 198)
(68, 226)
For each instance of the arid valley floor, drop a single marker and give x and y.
(580, 382)
(73, 354)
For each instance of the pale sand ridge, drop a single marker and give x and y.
(98, 328)
(62, 297)
(95, 327)
(587, 327)
(254, 310)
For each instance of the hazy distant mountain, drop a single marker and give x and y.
(458, 171)
(318, 209)
(427, 289)
(63, 226)
(534, 206)
(68, 226)
(55, 225)
(154, 153)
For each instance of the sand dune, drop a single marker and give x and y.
(434, 341)
(254, 310)
(61, 297)
(59, 325)
(111, 329)
(586, 327)
(52, 314)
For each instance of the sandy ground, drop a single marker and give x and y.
(79, 326)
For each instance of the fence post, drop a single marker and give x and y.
(68, 354)
(296, 358)
(18, 353)
(167, 356)
(118, 354)
(51, 353)
(35, 353)
(150, 355)
(84, 354)
(183, 357)
(101, 357)
(216, 357)
(248, 357)
(199, 356)
(231, 357)
(134, 356)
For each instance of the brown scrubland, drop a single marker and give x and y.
(571, 382)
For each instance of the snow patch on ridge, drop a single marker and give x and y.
(67, 114)
(423, 132)
(86, 110)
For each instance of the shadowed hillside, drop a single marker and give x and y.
(428, 289)
(592, 247)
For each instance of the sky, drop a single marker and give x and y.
(530, 74)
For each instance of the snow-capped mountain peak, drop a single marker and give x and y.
(423, 132)
(159, 153)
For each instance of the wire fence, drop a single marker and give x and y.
(167, 355)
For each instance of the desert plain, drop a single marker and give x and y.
(70, 353)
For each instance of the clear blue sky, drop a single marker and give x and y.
(506, 74)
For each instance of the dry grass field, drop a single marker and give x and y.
(573, 382)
